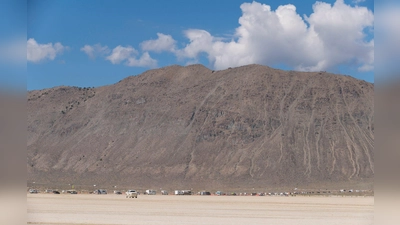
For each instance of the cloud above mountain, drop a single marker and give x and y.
(37, 52)
(332, 35)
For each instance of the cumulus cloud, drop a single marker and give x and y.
(144, 61)
(95, 50)
(340, 28)
(162, 43)
(332, 35)
(129, 56)
(120, 54)
(200, 41)
(38, 52)
(358, 1)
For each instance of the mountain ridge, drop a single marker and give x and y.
(250, 126)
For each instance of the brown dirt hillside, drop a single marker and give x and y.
(179, 126)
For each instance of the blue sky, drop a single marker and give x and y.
(184, 32)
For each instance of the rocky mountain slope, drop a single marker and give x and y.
(190, 126)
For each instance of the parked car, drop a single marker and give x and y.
(100, 192)
(131, 194)
(187, 192)
(56, 192)
(178, 192)
(150, 192)
(164, 192)
(219, 193)
(33, 191)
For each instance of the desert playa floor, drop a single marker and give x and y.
(170, 209)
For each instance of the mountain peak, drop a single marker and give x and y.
(249, 126)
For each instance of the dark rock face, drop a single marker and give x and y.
(177, 126)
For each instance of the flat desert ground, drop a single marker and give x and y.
(170, 209)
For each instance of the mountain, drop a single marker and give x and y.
(179, 127)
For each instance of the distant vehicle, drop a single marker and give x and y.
(205, 193)
(48, 191)
(178, 192)
(164, 192)
(183, 192)
(117, 192)
(72, 192)
(187, 192)
(56, 192)
(219, 193)
(33, 191)
(131, 194)
(150, 192)
(100, 192)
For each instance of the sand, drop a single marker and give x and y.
(158, 209)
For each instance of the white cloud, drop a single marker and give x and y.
(38, 52)
(358, 1)
(129, 56)
(200, 41)
(332, 35)
(340, 28)
(144, 61)
(120, 54)
(162, 43)
(95, 50)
